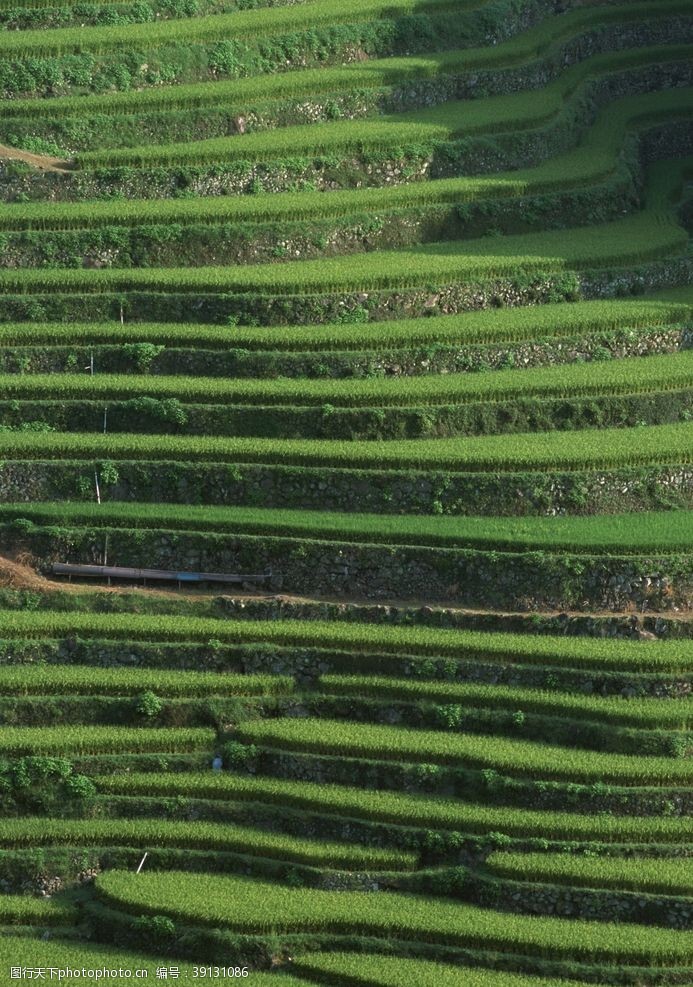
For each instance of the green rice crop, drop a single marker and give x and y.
(579, 167)
(60, 680)
(103, 740)
(594, 160)
(584, 449)
(457, 118)
(24, 909)
(647, 235)
(379, 72)
(75, 954)
(633, 375)
(239, 25)
(664, 309)
(377, 970)
(262, 908)
(643, 875)
(384, 642)
(402, 809)
(419, 660)
(198, 835)
(666, 531)
(508, 756)
(646, 713)
(25, 5)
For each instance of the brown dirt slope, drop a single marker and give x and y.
(16, 574)
(42, 162)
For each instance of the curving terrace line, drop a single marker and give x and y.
(242, 26)
(447, 121)
(241, 904)
(531, 48)
(595, 159)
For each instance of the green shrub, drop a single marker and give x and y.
(148, 705)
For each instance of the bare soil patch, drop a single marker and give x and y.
(18, 574)
(42, 162)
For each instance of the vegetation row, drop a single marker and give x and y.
(375, 639)
(243, 904)
(402, 809)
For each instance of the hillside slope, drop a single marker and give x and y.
(385, 310)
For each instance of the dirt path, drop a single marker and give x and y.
(42, 162)
(18, 572)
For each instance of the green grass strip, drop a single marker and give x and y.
(644, 875)
(402, 809)
(24, 909)
(385, 642)
(659, 311)
(246, 26)
(635, 239)
(198, 835)
(594, 160)
(103, 740)
(262, 908)
(376, 73)
(667, 531)
(61, 680)
(508, 756)
(75, 954)
(417, 128)
(648, 713)
(357, 969)
(648, 235)
(634, 375)
(607, 448)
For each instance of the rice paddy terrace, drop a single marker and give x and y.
(391, 301)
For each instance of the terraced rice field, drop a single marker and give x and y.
(385, 309)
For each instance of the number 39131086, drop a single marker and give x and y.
(199, 972)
